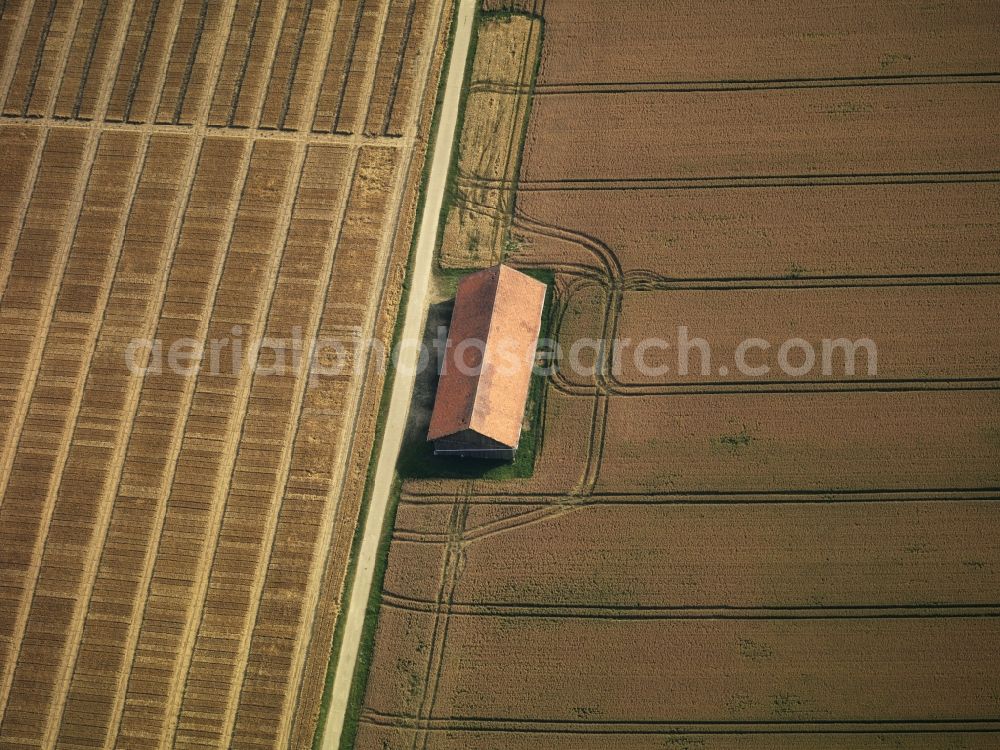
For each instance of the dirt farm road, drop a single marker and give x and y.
(402, 388)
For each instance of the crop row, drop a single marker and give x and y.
(40, 62)
(21, 148)
(262, 64)
(396, 76)
(121, 577)
(343, 96)
(87, 65)
(262, 463)
(66, 517)
(216, 417)
(36, 259)
(245, 63)
(311, 500)
(302, 40)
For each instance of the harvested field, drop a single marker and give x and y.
(702, 557)
(794, 560)
(174, 539)
(477, 226)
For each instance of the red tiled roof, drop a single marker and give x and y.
(491, 351)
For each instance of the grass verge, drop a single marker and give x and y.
(530, 443)
(357, 689)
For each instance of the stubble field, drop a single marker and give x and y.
(713, 561)
(173, 545)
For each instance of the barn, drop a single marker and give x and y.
(486, 371)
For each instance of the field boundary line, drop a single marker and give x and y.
(177, 440)
(233, 131)
(653, 726)
(271, 55)
(749, 181)
(235, 688)
(234, 438)
(352, 403)
(402, 386)
(739, 497)
(65, 440)
(27, 385)
(60, 68)
(720, 387)
(17, 225)
(583, 88)
(368, 83)
(696, 612)
(13, 53)
(105, 505)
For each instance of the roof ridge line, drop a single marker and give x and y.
(486, 343)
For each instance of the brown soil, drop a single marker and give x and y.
(595, 672)
(951, 319)
(779, 231)
(784, 563)
(907, 440)
(393, 737)
(626, 556)
(785, 39)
